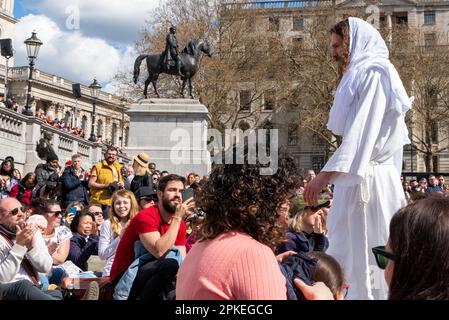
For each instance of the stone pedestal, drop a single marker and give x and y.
(173, 132)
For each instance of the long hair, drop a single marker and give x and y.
(419, 238)
(237, 197)
(7, 173)
(113, 217)
(27, 176)
(342, 29)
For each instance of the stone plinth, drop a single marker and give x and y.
(173, 132)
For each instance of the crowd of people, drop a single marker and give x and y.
(238, 234)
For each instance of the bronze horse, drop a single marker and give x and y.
(188, 57)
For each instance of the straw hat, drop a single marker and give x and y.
(143, 159)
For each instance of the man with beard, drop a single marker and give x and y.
(23, 254)
(368, 112)
(159, 229)
(105, 179)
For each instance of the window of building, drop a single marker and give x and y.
(99, 127)
(114, 134)
(274, 23)
(67, 117)
(245, 100)
(402, 20)
(84, 123)
(429, 39)
(292, 137)
(429, 18)
(434, 133)
(317, 163)
(298, 23)
(317, 140)
(298, 43)
(269, 100)
(435, 163)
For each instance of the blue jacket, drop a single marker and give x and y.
(299, 266)
(304, 242)
(73, 189)
(124, 285)
(81, 250)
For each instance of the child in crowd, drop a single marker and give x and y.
(306, 228)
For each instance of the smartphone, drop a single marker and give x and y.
(187, 193)
(72, 210)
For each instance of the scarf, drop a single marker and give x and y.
(367, 51)
(10, 236)
(7, 232)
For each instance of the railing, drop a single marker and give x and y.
(11, 124)
(19, 135)
(22, 73)
(278, 4)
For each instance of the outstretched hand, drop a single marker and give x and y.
(317, 291)
(314, 188)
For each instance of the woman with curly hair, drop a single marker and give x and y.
(234, 257)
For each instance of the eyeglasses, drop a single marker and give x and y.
(96, 213)
(155, 179)
(55, 213)
(382, 256)
(15, 211)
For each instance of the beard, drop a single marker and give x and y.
(168, 205)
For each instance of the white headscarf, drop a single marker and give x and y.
(367, 49)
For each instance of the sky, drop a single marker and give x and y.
(82, 39)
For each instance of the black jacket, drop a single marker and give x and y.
(141, 181)
(73, 189)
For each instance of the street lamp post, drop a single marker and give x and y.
(95, 91)
(33, 44)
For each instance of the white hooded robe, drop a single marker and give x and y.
(368, 112)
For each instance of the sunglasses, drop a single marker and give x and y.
(382, 256)
(96, 213)
(55, 213)
(345, 290)
(15, 211)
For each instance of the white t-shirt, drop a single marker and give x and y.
(61, 234)
(107, 246)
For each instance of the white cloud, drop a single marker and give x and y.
(117, 21)
(69, 54)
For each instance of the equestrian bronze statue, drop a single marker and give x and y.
(183, 64)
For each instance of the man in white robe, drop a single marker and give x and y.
(368, 112)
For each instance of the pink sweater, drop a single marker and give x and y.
(232, 266)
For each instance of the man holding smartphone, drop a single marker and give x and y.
(159, 229)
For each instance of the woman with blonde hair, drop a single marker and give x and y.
(124, 207)
(307, 231)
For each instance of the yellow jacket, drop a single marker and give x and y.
(104, 176)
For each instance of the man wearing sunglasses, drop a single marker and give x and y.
(23, 254)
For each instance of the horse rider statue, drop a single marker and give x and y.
(172, 51)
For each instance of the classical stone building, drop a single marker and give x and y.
(289, 18)
(53, 94)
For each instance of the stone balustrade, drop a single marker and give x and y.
(19, 135)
